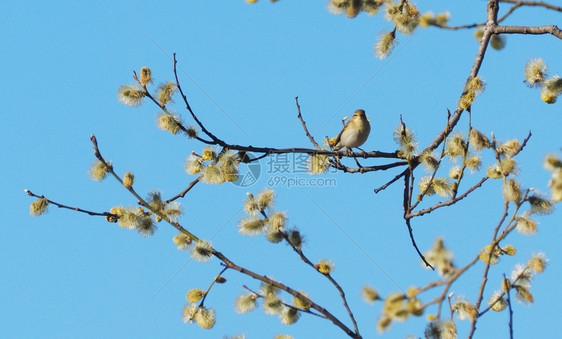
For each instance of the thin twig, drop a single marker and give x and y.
(449, 296)
(533, 3)
(289, 290)
(77, 209)
(448, 282)
(304, 310)
(210, 286)
(304, 125)
(269, 150)
(364, 169)
(514, 282)
(410, 231)
(487, 267)
(164, 108)
(184, 192)
(424, 192)
(517, 4)
(510, 312)
(393, 180)
(505, 16)
(214, 138)
(464, 156)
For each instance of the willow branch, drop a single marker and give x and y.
(210, 286)
(365, 169)
(214, 138)
(533, 3)
(514, 282)
(491, 23)
(424, 192)
(448, 283)
(505, 16)
(76, 209)
(304, 310)
(140, 200)
(393, 180)
(510, 312)
(269, 150)
(304, 125)
(305, 259)
(184, 192)
(228, 263)
(163, 107)
(455, 28)
(487, 267)
(537, 30)
(289, 290)
(448, 202)
(516, 4)
(410, 231)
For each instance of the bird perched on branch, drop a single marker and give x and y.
(354, 133)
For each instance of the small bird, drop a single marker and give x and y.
(354, 133)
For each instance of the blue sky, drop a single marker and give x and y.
(66, 274)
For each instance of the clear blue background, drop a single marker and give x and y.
(69, 275)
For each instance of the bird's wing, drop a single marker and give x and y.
(338, 137)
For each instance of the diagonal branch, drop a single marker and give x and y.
(392, 181)
(184, 192)
(307, 261)
(448, 202)
(228, 263)
(215, 139)
(289, 290)
(491, 23)
(304, 310)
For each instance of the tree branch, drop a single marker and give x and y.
(211, 285)
(549, 29)
(219, 255)
(533, 3)
(491, 23)
(510, 312)
(393, 180)
(215, 139)
(410, 231)
(448, 282)
(305, 259)
(76, 209)
(449, 202)
(289, 290)
(304, 125)
(184, 192)
(287, 305)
